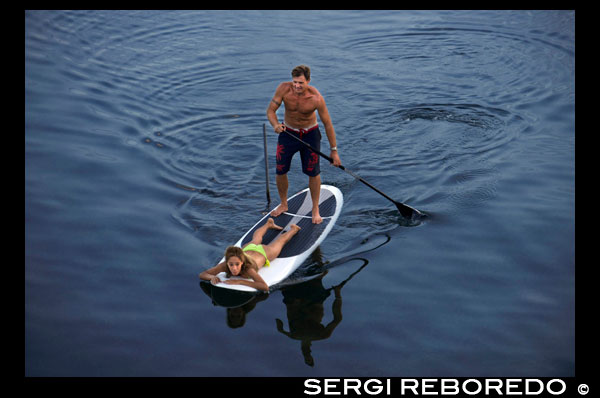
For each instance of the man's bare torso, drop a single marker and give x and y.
(300, 109)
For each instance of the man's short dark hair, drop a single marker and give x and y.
(301, 70)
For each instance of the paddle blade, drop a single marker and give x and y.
(407, 211)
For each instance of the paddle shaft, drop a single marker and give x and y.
(404, 209)
(266, 163)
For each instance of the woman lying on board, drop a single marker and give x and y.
(245, 262)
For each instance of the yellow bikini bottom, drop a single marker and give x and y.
(259, 249)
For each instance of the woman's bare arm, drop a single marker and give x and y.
(211, 273)
(258, 282)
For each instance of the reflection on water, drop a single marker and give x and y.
(236, 317)
(305, 311)
(304, 306)
(304, 296)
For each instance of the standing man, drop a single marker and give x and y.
(301, 101)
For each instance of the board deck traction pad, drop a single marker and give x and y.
(300, 213)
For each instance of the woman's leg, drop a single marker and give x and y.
(257, 236)
(274, 248)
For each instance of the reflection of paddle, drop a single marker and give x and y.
(405, 210)
(323, 268)
(340, 285)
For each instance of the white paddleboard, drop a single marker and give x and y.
(297, 250)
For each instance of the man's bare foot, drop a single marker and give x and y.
(295, 228)
(271, 225)
(316, 218)
(279, 210)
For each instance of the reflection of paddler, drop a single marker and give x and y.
(305, 312)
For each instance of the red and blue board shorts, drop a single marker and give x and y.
(287, 147)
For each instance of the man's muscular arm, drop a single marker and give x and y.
(272, 109)
(326, 119)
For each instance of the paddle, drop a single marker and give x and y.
(266, 164)
(405, 210)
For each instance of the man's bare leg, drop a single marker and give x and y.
(314, 183)
(282, 189)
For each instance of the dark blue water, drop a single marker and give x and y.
(144, 160)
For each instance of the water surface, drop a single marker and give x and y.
(144, 160)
